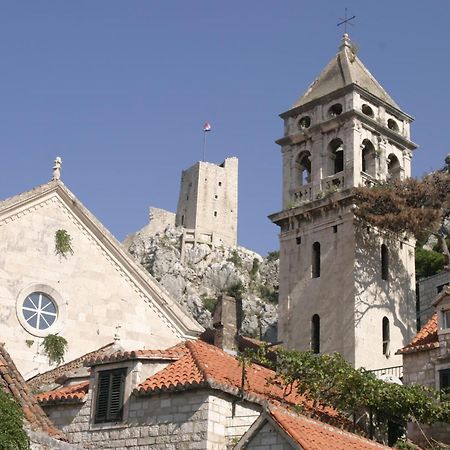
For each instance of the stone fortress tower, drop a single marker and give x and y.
(344, 286)
(208, 205)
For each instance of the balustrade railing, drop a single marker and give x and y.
(302, 194)
(368, 180)
(396, 371)
(333, 182)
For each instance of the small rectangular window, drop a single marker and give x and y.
(447, 319)
(110, 390)
(444, 380)
(298, 239)
(335, 229)
(220, 183)
(215, 213)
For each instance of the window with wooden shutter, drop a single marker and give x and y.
(110, 389)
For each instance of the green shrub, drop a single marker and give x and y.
(268, 293)
(12, 434)
(63, 243)
(209, 303)
(54, 347)
(235, 258)
(236, 290)
(273, 256)
(255, 268)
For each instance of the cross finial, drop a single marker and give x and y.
(56, 175)
(346, 20)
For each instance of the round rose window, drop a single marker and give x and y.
(39, 311)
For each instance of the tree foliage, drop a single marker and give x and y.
(411, 206)
(12, 434)
(329, 380)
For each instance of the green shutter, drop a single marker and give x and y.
(110, 390)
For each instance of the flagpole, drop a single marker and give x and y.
(204, 145)
(206, 129)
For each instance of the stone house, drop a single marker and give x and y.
(42, 433)
(87, 296)
(426, 291)
(426, 361)
(189, 396)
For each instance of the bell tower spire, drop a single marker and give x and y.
(342, 283)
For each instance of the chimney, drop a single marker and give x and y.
(227, 320)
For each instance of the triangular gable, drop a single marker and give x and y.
(444, 295)
(167, 308)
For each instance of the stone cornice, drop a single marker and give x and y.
(339, 122)
(342, 91)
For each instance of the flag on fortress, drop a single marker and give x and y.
(206, 127)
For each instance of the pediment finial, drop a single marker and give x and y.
(56, 175)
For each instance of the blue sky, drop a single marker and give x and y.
(121, 89)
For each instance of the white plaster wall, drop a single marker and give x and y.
(94, 295)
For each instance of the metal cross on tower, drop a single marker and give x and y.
(346, 20)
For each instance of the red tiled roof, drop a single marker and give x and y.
(312, 434)
(170, 354)
(425, 339)
(67, 394)
(51, 376)
(205, 364)
(13, 383)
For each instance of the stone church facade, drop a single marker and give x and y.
(87, 297)
(344, 286)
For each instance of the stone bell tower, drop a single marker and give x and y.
(344, 285)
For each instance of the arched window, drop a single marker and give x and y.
(368, 157)
(303, 168)
(315, 334)
(336, 148)
(386, 336)
(393, 167)
(315, 268)
(384, 262)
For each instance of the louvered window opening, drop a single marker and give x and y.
(110, 389)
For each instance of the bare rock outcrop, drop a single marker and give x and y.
(197, 279)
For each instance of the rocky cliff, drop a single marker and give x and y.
(203, 273)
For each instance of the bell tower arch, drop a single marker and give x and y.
(344, 131)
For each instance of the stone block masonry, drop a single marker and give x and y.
(208, 201)
(200, 419)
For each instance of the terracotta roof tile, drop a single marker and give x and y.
(67, 394)
(180, 374)
(170, 354)
(425, 339)
(11, 381)
(312, 434)
(51, 376)
(206, 364)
